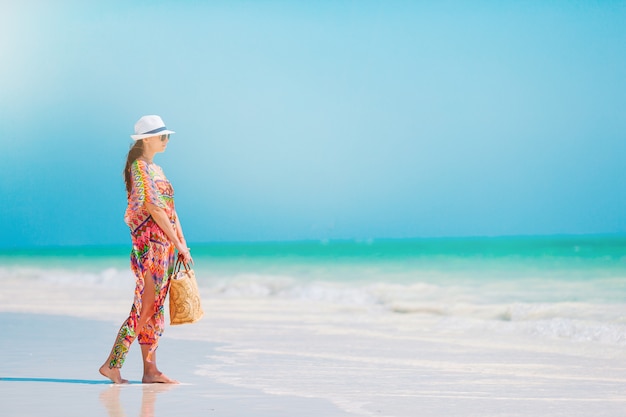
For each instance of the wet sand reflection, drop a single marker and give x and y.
(110, 398)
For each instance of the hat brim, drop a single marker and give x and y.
(149, 135)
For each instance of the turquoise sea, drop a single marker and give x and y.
(577, 283)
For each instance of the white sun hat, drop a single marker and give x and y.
(148, 126)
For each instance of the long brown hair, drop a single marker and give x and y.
(135, 152)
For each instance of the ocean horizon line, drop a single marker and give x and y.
(483, 241)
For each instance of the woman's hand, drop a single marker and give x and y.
(184, 250)
(186, 255)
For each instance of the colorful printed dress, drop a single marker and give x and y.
(152, 252)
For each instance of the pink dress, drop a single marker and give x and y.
(152, 252)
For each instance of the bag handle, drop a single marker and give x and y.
(180, 261)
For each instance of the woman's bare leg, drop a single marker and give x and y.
(151, 373)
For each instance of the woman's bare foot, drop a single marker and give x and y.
(157, 377)
(113, 374)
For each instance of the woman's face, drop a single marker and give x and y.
(156, 144)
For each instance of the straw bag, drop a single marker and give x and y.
(184, 295)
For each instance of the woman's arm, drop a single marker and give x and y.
(181, 236)
(159, 216)
(179, 231)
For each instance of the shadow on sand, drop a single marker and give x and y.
(62, 381)
(110, 397)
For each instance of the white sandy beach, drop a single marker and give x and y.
(273, 356)
(49, 371)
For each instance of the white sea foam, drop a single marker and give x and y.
(105, 278)
(477, 305)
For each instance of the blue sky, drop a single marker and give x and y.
(316, 120)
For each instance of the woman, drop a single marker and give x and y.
(156, 234)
